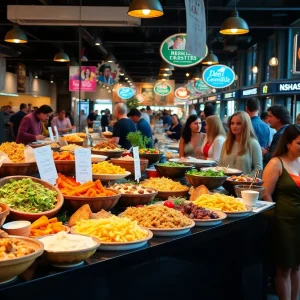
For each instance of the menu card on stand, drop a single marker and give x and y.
(86, 130)
(51, 134)
(137, 165)
(83, 165)
(45, 163)
(56, 132)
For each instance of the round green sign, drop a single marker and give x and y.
(162, 89)
(201, 87)
(172, 50)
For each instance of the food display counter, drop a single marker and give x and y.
(221, 262)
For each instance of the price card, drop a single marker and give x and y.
(56, 132)
(137, 165)
(106, 128)
(51, 134)
(83, 165)
(86, 130)
(45, 163)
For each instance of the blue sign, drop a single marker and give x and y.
(218, 76)
(125, 93)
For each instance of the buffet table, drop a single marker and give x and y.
(222, 262)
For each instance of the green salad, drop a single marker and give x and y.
(27, 196)
(207, 173)
(171, 164)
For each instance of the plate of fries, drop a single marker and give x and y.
(111, 176)
(232, 207)
(115, 233)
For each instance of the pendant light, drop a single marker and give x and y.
(73, 62)
(234, 25)
(164, 66)
(163, 78)
(145, 9)
(61, 56)
(210, 59)
(110, 58)
(197, 75)
(165, 73)
(98, 41)
(274, 60)
(16, 35)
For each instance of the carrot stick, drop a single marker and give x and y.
(99, 185)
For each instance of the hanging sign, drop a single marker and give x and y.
(125, 93)
(201, 87)
(84, 80)
(218, 76)
(296, 58)
(108, 73)
(21, 78)
(196, 27)
(182, 93)
(140, 98)
(173, 51)
(162, 89)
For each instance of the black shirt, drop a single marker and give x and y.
(176, 132)
(16, 119)
(144, 127)
(91, 117)
(121, 129)
(104, 121)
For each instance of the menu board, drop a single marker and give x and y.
(83, 165)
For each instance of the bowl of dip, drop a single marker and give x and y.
(19, 228)
(68, 250)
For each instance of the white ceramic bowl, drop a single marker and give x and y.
(250, 197)
(19, 228)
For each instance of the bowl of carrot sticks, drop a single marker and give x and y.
(90, 192)
(64, 162)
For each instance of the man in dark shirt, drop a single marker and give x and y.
(209, 110)
(122, 127)
(105, 119)
(262, 130)
(91, 118)
(167, 120)
(141, 124)
(16, 119)
(279, 119)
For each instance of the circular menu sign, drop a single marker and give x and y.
(201, 87)
(172, 50)
(182, 93)
(218, 76)
(162, 89)
(125, 93)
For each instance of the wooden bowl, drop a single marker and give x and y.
(152, 157)
(165, 195)
(128, 165)
(11, 268)
(229, 185)
(13, 169)
(70, 258)
(210, 182)
(107, 134)
(95, 203)
(109, 154)
(136, 199)
(20, 215)
(66, 167)
(3, 213)
(172, 172)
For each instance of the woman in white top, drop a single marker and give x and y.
(214, 139)
(241, 149)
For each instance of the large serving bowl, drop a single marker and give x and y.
(152, 157)
(172, 172)
(11, 268)
(4, 212)
(229, 185)
(12, 169)
(226, 171)
(66, 167)
(128, 165)
(95, 203)
(164, 195)
(109, 154)
(136, 199)
(70, 258)
(210, 182)
(20, 215)
(239, 188)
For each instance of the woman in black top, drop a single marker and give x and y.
(174, 132)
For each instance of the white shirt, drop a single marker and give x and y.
(214, 151)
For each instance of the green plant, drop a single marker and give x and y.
(137, 139)
(132, 103)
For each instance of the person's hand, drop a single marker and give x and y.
(264, 151)
(168, 132)
(39, 137)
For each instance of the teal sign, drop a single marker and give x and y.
(172, 50)
(125, 93)
(162, 89)
(201, 87)
(218, 76)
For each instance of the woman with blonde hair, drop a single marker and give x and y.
(214, 139)
(241, 149)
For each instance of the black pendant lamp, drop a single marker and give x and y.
(165, 73)
(166, 66)
(145, 9)
(210, 59)
(61, 56)
(197, 75)
(16, 35)
(234, 25)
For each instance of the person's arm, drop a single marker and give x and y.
(216, 149)
(181, 147)
(270, 177)
(23, 134)
(256, 157)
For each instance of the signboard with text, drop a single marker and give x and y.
(125, 93)
(218, 76)
(248, 93)
(284, 88)
(162, 89)
(85, 80)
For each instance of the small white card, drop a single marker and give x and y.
(51, 134)
(56, 132)
(106, 128)
(83, 164)
(45, 163)
(137, 164)
(86, 130)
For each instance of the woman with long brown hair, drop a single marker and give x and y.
(282, 182)
(241, 149)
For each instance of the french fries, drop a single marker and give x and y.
(72, 138)
(163, 184)
(14, 151)
(63, 156)
(105, 167)
(70, 147)
(220, 202)
(111, 230)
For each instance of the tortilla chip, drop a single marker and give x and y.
(83, 213)
(200, 190)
